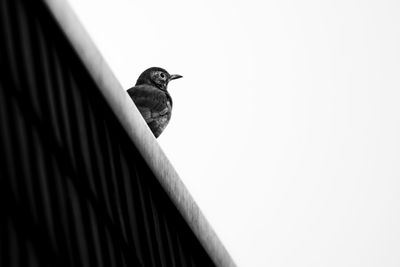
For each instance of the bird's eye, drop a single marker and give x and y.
(162, 75)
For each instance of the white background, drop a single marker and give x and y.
(286, 125)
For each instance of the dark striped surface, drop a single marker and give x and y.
(74, 189)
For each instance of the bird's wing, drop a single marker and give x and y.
(151, 102)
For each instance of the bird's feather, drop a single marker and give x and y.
(154, 104)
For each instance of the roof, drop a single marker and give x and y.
(137, 130)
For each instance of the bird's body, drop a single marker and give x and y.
(152, 98)
(154, 105)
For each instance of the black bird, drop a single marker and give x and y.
(152, 98)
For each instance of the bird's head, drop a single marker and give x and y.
(157, 77)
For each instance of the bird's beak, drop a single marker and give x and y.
(174, 76)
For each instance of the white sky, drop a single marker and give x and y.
(286, 125)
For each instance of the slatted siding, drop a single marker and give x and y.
(74, 191)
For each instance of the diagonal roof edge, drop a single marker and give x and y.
(140, 134)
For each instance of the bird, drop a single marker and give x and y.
(152, 98)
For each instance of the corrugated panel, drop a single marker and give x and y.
(74, 189)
